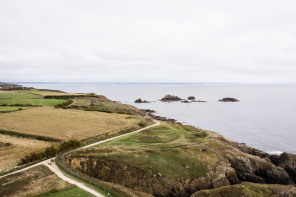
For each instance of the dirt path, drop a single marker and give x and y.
(52, 166)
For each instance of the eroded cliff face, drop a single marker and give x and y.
(149, 181)
(240, 168)
(234, 164)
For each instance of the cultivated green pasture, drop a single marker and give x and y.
(18, 95)
(42, 102)
(11, 108)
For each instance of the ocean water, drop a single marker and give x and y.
(265, 117)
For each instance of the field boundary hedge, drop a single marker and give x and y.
(37, 137)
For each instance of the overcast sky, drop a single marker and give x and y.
(148, 41)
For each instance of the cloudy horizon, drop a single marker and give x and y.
(148, 41)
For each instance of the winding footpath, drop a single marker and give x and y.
(54, 168)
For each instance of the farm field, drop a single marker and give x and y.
(65, 124)
(47, 93)
(37, 181)
(73, 192)
(18, 95)
(12, 108)
(17, 148)
(42, 102)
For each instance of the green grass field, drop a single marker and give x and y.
(46, 93)
(42, 102)
(11, 108)
(18, 95)
(73, 192)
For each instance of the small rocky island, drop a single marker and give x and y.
(192, 98)
(141, 101)
(228, 99)
(170, 98)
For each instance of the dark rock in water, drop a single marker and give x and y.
(191, 98)
(163, 118)
(148, 110)
(199, 101)
(141, 101)
(228, 99)
(286, 161)
(185, 101)
(170, 98)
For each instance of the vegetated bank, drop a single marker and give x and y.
(179, 160)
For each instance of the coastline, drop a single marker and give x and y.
(236, 163)
(244, 122)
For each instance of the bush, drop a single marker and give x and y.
(63, 105)
(50, 151)
(141, 124)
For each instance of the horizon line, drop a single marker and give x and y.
(56, 82)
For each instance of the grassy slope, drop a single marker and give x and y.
(32, 182)
(163, 149)
(10, 156)
(73, 192)
(64, 124)
(101, 103)
(247, 190)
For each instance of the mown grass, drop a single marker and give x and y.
(73, 192)
(64, 124)
(12, 108)
(18, 95)
(11, 155)
(32, 182)
(42, 102)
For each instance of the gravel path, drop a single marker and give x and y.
(53, 167)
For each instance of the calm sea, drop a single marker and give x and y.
(264, 118)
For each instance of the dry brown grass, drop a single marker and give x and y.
(10, 156)
(35, 181)
(64, 124)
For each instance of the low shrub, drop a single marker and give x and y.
(65, 104)
(50, 151)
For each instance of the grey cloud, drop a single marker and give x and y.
(148, 41)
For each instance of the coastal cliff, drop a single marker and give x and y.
(178, 160)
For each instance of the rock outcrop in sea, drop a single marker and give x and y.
(170, 98)
(141, 101)
(228, 99)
